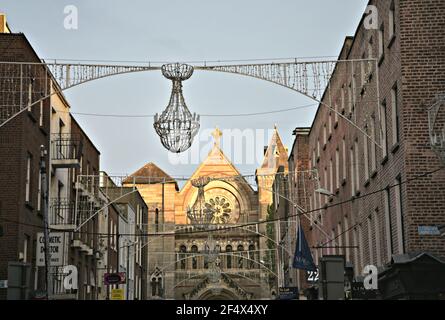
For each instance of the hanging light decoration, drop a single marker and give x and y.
(176, 126)
(199, 215)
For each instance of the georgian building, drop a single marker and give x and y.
(371, 195)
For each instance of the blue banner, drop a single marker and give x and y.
(303, 257)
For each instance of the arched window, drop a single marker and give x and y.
(194, 257)
(206, 256)
(251, 256)
(240, 256)
(157, 219)
(154, 286)
(182, 255)
(160, 287)
(229, 256)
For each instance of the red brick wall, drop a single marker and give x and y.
(18, 137)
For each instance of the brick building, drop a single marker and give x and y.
(70, 154)
(20, 142)
(379, 188)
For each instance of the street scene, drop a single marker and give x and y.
(232, 151)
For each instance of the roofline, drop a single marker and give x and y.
(353, 38)
(84, 133)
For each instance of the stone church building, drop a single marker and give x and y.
(229, 261)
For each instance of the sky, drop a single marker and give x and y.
(193, 30)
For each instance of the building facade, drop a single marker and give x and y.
(375, 188)
(226, 261)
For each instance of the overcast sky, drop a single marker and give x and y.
(141, 30)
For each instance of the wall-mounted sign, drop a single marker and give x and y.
(288, 293)
(117, 294)
(114, 278)
(428, 230)
(56, 246)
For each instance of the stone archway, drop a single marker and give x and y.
(220, 294)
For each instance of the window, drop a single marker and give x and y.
(240, 258)
(383, 134)
(395, 116)
(325, 178)
(351, 158)
(313, 158)
(365, 154)
(346, 231)
(370, 242)
(157, 219)
(342, 98)
(194, 257)
(357, 168)
(358, 254)
(377, 237)
(325, 136)
(25, 248)
(363, 68)
(39, 192)
(336, 113)
(392, 21)
(182, 256)
(332, 244)
(229, 257)
(370, 55)
(350, 103)
(340, 238)
(337, 169)
(30, 94)
(388, 225)
(381, 42)
(28, 177)
(344, 158)
(41, 114)
(399, 212)
(330, 124)
(251, 256)
(331, 177)
(318, 148)
(373, 150)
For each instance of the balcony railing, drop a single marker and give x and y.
(62, 214)
(66, 149)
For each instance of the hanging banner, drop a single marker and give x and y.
(303, 257)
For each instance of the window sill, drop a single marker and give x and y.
(43, 130)
(29, 205)
(382, 57)
(395, 148)
(384, 160)
(31, 116)
(367, 182)
(391, 41)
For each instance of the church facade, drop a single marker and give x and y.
(230, 259)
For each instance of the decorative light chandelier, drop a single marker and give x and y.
(176, 126)
(199, 215)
